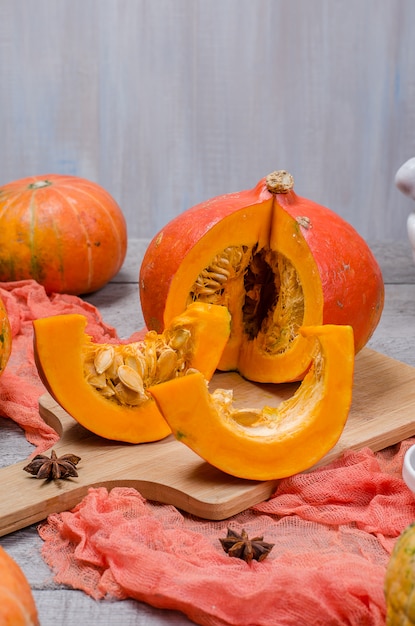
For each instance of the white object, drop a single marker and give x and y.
(405, 182)
(408, 468)
(410, 225)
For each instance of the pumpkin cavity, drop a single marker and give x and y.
(219, 277)
(103, 386)
(269, 288)
(281, 420)
(122, 372)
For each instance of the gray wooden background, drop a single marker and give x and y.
(167, 103)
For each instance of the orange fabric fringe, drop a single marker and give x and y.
(20, 385)
(333, 528)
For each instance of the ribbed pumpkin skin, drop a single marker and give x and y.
(400, 581)
(17, 606)
(65, 232)
(5, 338)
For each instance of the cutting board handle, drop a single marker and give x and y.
(165, 471)
(382, 414)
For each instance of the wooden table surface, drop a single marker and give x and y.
(120, 307)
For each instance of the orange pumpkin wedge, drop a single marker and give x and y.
(272, 442)
(277, 261)
(103, 386)
(17, 605)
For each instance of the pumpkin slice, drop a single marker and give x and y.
(104, 386)
(277, 261)
(272, 442)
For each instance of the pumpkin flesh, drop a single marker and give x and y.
(277, 262)
(272, 442)
(113, 402)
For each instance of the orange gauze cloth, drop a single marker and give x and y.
(333, 528)
(20, 385)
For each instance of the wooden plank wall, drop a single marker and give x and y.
(166, 103)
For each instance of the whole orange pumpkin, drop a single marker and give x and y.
(17, 605)
(5, 337)
(65, 232)
(277, 261)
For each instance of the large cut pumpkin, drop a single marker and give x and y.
(400, 581)
(65, 232)
(270, 442)
(17, 605)
(5, 337)
(104, 386)
(278, 261)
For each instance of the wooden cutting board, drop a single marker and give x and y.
(382, 414)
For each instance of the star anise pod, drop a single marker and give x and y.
(53, 468)
(241, 547)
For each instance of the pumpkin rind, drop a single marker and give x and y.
(17, 605)
(5, 338)
(60, 342)
(400, 581)
(65, 232)
(272, 442)
(340, 280)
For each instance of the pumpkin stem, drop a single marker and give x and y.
(39, 184)
(279, 181)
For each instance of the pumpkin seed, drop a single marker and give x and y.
(98, 381)
(103, 359)
(89, 369)
(166, 364)
(112, 370)
(130, 378)
(128, 396)
(150, 357)
(180, 339)
(108, 391)
(140, 363)
(210, 284)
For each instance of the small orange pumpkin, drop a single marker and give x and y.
(65, 232)
(5, 337)
(277, 261)
(17, 605)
